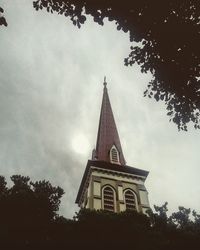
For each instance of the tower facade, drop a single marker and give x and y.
(108, 183)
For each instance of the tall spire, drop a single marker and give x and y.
(108, 137)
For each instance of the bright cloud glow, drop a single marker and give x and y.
(80, 144)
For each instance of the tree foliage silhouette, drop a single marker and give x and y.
(2, 18)
(27, 210)
(29, 220)
(168, 33)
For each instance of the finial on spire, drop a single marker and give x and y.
(104, 83)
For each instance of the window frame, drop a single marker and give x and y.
(111, 155)
(135, 199)
(114, 197)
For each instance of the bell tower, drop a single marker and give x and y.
(108, 183)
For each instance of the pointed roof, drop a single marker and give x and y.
(107, 132)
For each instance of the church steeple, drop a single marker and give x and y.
(108, 183)
(108, 146)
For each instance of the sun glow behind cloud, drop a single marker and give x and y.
(80, 144)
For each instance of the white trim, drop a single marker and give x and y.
(85, 186)
(119, 173)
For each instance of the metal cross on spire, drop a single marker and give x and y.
(104, 83)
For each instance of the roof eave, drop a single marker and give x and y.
(108, 166)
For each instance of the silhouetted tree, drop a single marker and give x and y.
(181, 219)
(129, 229)
(2, 18)
(27, 210)
(168, 33)
(29, 220)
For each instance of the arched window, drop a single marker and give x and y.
(109, 199)
(114, 155)
(130, 200)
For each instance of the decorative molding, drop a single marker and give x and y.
(97, 178)
(119, 183)
(117, 173)
(85, 187)
(141, 187)
(145, 206)
(97, 197)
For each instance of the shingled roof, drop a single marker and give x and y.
(107, 132)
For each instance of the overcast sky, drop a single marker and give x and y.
(51, 85)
